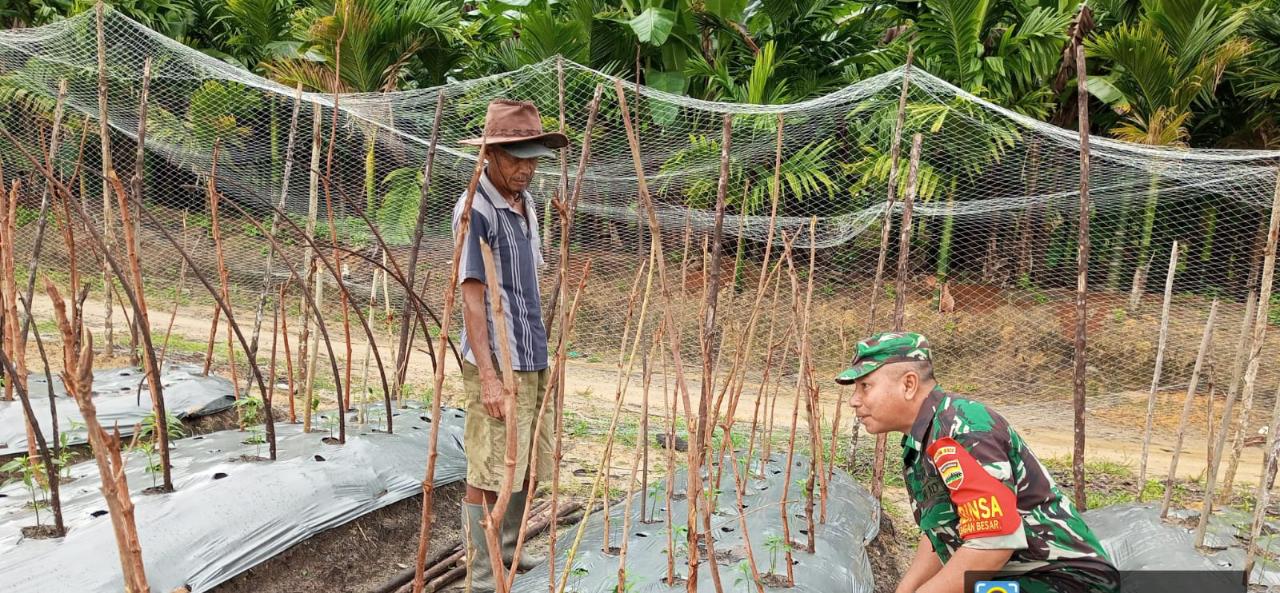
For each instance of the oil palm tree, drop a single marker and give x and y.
(1156, 69)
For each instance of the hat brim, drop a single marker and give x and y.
(551, 140)
(857, 371)
(527, 150)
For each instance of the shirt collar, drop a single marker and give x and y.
(531, 213)
(913, 440)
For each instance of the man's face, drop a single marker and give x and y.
(880, 399)
(511, 172)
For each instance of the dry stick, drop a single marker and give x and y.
(1219, 443)
(1082, 285)
(562, 189)
(428, 483)
(344, 393)
(565, 213)
(647, 371)
(795, 419)
(182, 282)
(710, 488)
(43, 220)
(104, 133)
(767, 437)
(288, 356)
(402, 350)
(1155, 376)
(764, 379)
(900, 292)
(895, 152)
(492, 523)
(308, 345)
(1186, 407)
(671, 469)
(560, 358)
(740, 483)
(51, 472)
(673, 338)
(275, 225)
(270, 396)
(364, 381)
(141, 317)
(713, 291)
(1263, 493)
(77, 378)
(213, 336)
(223, 276)
(813, 414)
(835, 430)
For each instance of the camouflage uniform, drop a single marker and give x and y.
(974, 483)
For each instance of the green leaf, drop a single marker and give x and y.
(653, 26)
(664, 113)
(1104, 89)
(729, 10)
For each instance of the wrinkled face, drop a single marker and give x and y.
(509, 172)
(885, 399)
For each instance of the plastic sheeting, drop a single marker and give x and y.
(1138, 540)
(118, 400)
(227, 514)
(840, 563)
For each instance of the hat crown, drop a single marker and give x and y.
(893, 345)
(506, 118)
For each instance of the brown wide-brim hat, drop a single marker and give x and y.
(509, 122)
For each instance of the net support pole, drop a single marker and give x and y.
(1082, 284)
(104, 132)
(895, 150)
(900, 298)
(1192, 385)
(407, 313)
(1155, 376)
(1263, 495)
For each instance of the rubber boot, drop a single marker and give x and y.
(511, 522)
(479, 569)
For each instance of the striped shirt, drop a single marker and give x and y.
(517, 255)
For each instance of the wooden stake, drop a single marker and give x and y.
(288, 356)
(43, 219)
(1186, 408)
(104, 133)
(173, 314)
(895, 150)
(308, 349)
(1155, 377)
(713, 289)
(1219, 443)
(1082, 284)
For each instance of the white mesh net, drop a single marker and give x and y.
(994, 224)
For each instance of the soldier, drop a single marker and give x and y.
(983, 501)
(504, 217)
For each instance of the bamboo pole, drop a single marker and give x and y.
(428, 484)
(104, 133)
(565, 212)
(402, 349)
(1155, 377)
(895, 151)
(1192, 385)
(1263, 493)
(900, 296)
(275, 225)
(1219, 443)
(1082, 285)
(77, 378)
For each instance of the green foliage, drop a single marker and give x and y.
(29, 474)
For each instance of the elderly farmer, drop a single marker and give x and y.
(503, 216)
(979, 495)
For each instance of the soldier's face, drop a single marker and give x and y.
(883, 399)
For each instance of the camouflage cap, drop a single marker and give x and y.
(881, 349)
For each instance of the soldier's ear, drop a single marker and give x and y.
(910, 383)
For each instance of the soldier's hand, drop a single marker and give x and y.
(493, 395)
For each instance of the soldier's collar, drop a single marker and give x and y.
(928, 410)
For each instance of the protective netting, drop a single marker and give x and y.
(993, 243)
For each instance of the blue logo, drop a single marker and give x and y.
(996, 587)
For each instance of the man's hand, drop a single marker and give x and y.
(493, 394)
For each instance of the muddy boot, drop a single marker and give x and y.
(511, 530)
(479, 569)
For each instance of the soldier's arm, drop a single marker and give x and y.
(923, 566)
(951, 578)
(976, 467)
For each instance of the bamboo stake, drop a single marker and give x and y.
(275, 225)
(565, 212)
(428, 484)
(1082, 284)
(814, 415)
(288, 356)
(1186, 408)
(895, 151)
(402, 349)
(77, 378)
(795, 421)
(308, 349)
(1263, 493)
(631, 477)
(900, 297)
(1219, 443)
(1155, 377)
(104, 132)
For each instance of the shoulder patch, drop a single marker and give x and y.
(986, 507)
